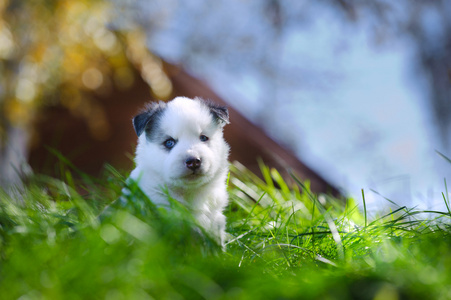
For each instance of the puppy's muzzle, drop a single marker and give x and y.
(193, 163)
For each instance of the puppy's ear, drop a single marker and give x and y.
(147, 117)
(220, 113)
(140, 122)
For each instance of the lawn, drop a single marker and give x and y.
(69, 238)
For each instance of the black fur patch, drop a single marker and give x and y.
(220, 113)
(147, 119)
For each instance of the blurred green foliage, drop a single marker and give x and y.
(62, 239)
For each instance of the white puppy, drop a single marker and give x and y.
(181, 150)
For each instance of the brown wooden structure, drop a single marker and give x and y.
(58, 128)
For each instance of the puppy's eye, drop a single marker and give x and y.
(203, 138)
(169, 143)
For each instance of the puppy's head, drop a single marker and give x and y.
(181, 141)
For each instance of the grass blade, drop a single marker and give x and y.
(364, 208)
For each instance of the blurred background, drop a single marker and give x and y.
(350, 94)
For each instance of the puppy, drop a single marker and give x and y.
(181, 151)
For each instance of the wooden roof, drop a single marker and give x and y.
(69, 134)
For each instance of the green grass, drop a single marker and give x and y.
(285, 243)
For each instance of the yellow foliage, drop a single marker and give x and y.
(58, 47)
(62, 50)
(16, 113)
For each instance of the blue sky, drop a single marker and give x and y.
(365, 129)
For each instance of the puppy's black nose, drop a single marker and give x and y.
(193, 163)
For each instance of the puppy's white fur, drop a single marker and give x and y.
(193, 128)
